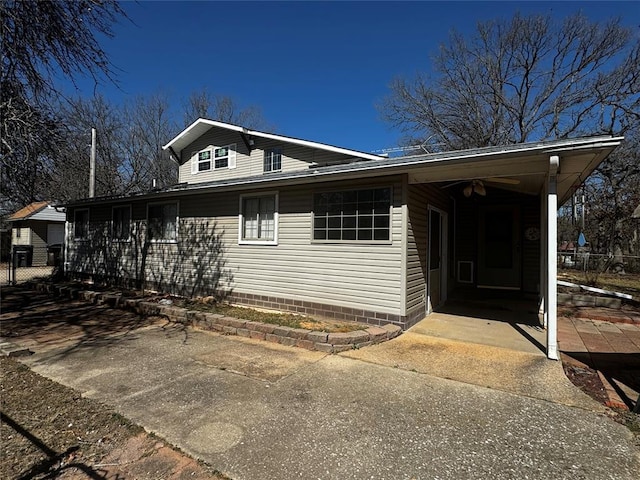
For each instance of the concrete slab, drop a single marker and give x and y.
(522, 373)
(327, 416)
(485, 331)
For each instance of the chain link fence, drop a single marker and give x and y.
(27, 262)
(598, 263)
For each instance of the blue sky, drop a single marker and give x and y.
(316, 69)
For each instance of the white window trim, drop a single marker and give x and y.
(198, 161)
(164, 240)
(80, 239)
(357, 242)
(231, 162)
(276, 219)
(113, 237)
(271, 150)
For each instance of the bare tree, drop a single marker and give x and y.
(534, 78)
(202, 104)
(613, 192)
(40, 40)
(523, 79)
(149, 126)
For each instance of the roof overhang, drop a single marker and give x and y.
(202, 126)
(527, 162)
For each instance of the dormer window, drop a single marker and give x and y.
(221, 157)
(213, 158)
(204, 160)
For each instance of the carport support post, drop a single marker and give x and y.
(552, 259)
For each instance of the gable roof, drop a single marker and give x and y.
(37, 211)
(202, 125)
(27, 211)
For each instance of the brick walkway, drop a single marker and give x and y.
(611, 347)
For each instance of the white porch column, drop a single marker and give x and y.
(543, 255)
(552, 260)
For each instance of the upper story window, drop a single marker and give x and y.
(355, 215)
(162, 219)
(204, 160)
(259, 219)
(213, 158)
(121, 223)
(81, 224)
(273, 160)
(221, 156)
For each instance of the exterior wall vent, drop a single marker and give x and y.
(465, 271)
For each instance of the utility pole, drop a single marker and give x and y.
(92, 165)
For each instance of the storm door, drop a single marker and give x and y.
(436, 258)
(499, 259)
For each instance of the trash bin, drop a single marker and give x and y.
(53, 254)
(23, 255)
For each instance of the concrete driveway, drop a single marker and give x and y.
(255, 410)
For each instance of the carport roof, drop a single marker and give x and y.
(528, 161)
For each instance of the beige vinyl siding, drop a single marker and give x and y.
(24, 238)
(294, 157)
(419, 197)
(207, 253)
(32, 233)
(357, 275)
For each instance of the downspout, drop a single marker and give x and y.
(552, 259)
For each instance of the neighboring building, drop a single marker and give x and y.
(279, 222)
(39, 225)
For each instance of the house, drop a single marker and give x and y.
(37, 226)
(279, 222)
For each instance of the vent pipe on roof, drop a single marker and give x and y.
(92, 165)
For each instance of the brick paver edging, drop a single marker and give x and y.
(296, 337)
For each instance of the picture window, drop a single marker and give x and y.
(358, 215)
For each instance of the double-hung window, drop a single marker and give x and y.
(354, 215)
(204, 160)
(81, 224)
(259, 219)
(221, 156)
(273, 160)
(162, 221)
(121, 223)
(213, 158)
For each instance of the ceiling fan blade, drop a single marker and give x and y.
(508, 181)
(454, 183)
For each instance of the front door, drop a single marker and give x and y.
(499, 262)
(436, 259)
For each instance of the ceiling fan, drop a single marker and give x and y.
(477, 185)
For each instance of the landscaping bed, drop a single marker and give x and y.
(327, 336)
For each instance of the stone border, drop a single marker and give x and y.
(577, 300)
(295, 337)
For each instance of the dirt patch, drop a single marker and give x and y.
(587, 380)
(51, 431)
